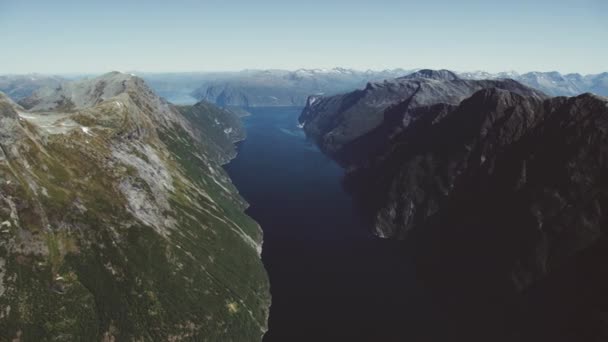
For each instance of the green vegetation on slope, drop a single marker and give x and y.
(126, 230)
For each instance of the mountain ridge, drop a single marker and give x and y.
(276, 87)
(347, 126)
(553, 82)
(120, 222)
(495, 192)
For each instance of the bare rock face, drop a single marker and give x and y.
(498, 193)
(442, 75)
(503, 200)
(79, 94)
(355, 126)
(517, 168)
(117, 221)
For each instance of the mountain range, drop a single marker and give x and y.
(353, 126)
(255, 88)
(265, 88)
(18, 87)
(553, 83)
(118, 221)
(498, 189)
(258, 88)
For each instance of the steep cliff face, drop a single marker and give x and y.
(522, 175)
(356, 126)
(498, 194)
(502, 162)
(504, 200)
(119, 223)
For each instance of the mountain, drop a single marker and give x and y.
(222, 128)
(484, 75)
(291, 88)
(255, 88)
(352, 126)
(552, 83)
(259, 88)
(177, 87)
(598, 84)
(18, 87)
(119, 222)
(500, 194)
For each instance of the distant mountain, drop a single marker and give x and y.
(18, 87)
(118, 221)
(552, 83)
(252, 88)
(256, 88)
(291, 88)
(497, 189)
(178, 87)
(354, 125)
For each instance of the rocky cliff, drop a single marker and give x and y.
(499, 192)
(498, 195)
(513, 168)
(356, 126)
(118, 221)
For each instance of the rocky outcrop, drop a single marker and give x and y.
(516, 170)
(356, 126)
(501, 195)
(440, 75)
(118, 221)
(497, 194)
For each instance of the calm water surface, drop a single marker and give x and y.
(331, 280)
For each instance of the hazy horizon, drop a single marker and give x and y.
(70, 37)
(201, 72)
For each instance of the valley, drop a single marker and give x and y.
(361, 216)
(331, 279)
(319, 171)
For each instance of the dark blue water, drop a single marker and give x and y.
(331, 279)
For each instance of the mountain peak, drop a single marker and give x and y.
(444, 75)
(115, 75)
(84, 93)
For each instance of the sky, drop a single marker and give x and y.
(62, 36)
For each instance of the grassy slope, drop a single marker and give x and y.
(95, 271)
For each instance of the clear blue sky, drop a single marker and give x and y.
(59, 36)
